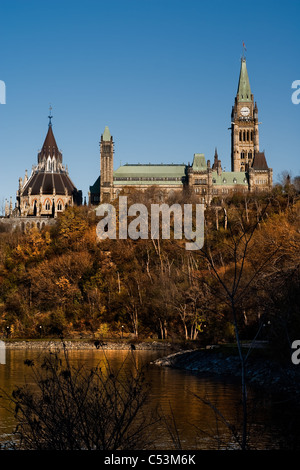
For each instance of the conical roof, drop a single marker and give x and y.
(50, 139)
(106, 134)
(244, 90)
(50, 147)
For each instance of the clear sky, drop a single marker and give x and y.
(162, 74)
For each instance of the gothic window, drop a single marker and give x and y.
(251, 136)
(244, 136)
(242, 154)
(59, 206)
(250, 155)
(240, 136)
(47, 206)
(248, 136)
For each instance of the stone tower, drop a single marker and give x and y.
(244, 124)
(106, 166)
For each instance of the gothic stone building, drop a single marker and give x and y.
(249, 169)
(49, 189)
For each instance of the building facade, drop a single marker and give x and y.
(249, 169)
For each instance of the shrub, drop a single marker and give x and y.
(71, 408)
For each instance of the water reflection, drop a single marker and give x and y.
(174, 390)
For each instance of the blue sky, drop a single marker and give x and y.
(162, 74)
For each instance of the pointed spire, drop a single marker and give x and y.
(6, 208)
(106, 134)
(49, 147)
(244, 90)
(216, 159)
(50, 141)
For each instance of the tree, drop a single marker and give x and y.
(232, 283)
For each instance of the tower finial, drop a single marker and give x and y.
(50, 115)
(244, 50)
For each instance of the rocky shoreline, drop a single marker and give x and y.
(87, 344)
(260, 372)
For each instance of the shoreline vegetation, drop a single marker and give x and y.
(111, 344)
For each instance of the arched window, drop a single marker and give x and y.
(240, 136)
(244, 136)
(248, 136)
(47, 205)
(59, 206)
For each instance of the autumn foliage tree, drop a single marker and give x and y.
(66, 281)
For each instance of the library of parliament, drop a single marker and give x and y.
(49, 189)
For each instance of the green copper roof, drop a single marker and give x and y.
(228, 178)
(149, 174)
(106, 134)
(244, 90)
(199, 163)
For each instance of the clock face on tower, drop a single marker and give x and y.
(245, 111)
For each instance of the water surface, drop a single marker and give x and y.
(170, 389)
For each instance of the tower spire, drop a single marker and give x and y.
(244, 90)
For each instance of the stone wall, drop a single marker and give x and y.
(22, 224)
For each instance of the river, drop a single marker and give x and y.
(170, 389)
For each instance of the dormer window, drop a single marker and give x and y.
(49, 166)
